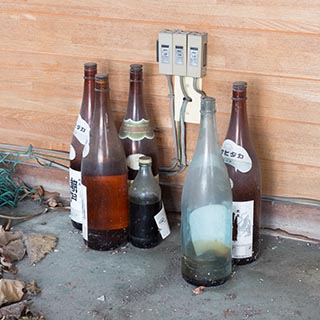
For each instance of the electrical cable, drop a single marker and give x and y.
(196, 89)
(174, 131)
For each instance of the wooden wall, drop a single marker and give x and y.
(273, 45)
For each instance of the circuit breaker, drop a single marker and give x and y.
(165, 52)
(197, 54)
(180, 41)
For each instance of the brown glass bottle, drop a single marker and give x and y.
(136, 133)
(244, 170)
(104, 177)
(79, 138)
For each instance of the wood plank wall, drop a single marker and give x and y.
(273, 45)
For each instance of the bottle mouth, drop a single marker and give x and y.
(208, 105)
(90, 66)
(145, 160)
(101, 82)
(135, 68)
(239, 85)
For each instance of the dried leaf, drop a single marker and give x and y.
(39, 245)
(14, 250)
(11, 291)
(8, 236)
(39, 194)
(7, 266)
(14, 310)
(198, 290)
(33, 288)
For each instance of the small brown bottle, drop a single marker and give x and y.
(244, 171)
(136, 133)
(79, 138)
(104, 177)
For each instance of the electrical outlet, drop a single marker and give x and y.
(192, 113)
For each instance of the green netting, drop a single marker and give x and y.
(10, 192)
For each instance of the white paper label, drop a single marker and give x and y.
(236, 156)
(81, 130)
(84, 213)
(242, 237)
(162, 223)
(208, 226)
(75, 195)
(72, 153)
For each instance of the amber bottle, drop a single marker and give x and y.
(79, 138)
(244, 171)
(136, 132)
(104, 177)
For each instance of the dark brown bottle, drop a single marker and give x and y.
(136, 132)
(104, 177)
(79, 138)
(244, 170)
(144, 204)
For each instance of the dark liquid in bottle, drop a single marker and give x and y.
(143, 231)
(212, 268)
(107, 211)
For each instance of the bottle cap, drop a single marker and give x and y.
(136, 68)
(239, 85)
(145, 160)
(101, 77)
(208, 104)
(90, 66)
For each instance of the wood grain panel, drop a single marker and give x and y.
(283, 16)
(264, 53)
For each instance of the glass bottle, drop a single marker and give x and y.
(104, 177)
(206, 221)
(136, 133)
(144, 203)
(79, 138)
(244, 171)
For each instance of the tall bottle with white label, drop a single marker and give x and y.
(79, 138)
(244, 170)
(136, 132)
(146, 208)
(104, 177)
(206, 216)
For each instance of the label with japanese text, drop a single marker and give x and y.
(242, 234)
(81, 130)
(75, 195)
(162, 223)
(236, 156)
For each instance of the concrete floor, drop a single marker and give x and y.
(130, 283)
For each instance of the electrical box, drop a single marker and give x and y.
(197, 54)
(165, 52)
(180, 53)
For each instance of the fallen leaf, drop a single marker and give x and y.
(14, 250)
(8, 236)
(11, 291)
(198, 290)
(33, 288)
(14, 310)
(7, 266)
(39, 245)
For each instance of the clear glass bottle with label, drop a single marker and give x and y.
(136, 132)
(206, 221)
(244, 170)
(104, 177)
(79, 138)
(144, 204)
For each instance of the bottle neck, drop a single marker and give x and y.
(102, 114)
(238, 128)
(135, 108)
(208, 139)
(145, 171)
(87, 106)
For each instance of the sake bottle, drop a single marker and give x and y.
(206, 217)
(244, 171)
(136, 132)
(79, 138)
(104, 177)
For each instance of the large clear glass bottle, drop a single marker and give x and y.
(144, 204)
(206, 221)
(136, 132)
(104, 177)
(244, 171)
(79, 138)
